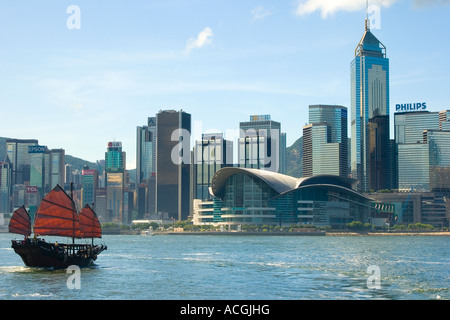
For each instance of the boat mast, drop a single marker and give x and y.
(93, 208)
(73, 218)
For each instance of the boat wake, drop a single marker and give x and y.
(35, 295)
(15, 269)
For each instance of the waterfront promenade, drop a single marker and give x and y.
(311, 233)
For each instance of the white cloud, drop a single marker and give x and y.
(203, 38)
(429, 3)
(260, 12)
(327, 7)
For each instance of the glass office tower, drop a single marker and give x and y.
(115, 182)
(89, 186)
(146, 151)
(422, 143)
(17, 151)
(425, 166)
(211, 153)
(57, 169)
(369, 98)
(37, 168)
(439, 148)
(146, 168)
(6, 176)
(320, 155)
(325, 141)
(409, 126)
(261, 144)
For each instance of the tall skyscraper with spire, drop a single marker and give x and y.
(369, 108)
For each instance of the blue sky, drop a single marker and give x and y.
(221, 61)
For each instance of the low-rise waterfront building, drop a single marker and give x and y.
(252, 196)
(417, 206)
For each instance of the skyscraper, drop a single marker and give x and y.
(57, 168)
(146, 151)
(261, 144)
(379, 153)
(115, 182)
(325, 141)
(423, 143)
(173, 156)
(146, 168)
(17, 151)
(6, 175)
(211, 154)
(369, 98)
(37, 168)
(89, 185)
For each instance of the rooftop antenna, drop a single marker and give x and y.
(367, 16)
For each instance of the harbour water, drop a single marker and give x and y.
(198, 267)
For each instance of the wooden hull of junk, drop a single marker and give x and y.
(41, 254)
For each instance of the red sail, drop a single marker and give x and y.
(20, 222)
(57, 216)
(89, 224)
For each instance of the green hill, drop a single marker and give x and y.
(294, 159)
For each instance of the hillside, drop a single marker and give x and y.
(294, 159)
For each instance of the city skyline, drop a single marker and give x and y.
(126, 63)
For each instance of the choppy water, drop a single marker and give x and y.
(190, 267)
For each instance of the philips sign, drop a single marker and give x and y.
(410, 107)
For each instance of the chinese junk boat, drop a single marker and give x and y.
(56, 216)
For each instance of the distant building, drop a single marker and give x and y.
(38, 170)
(409, 126)
(173, 157)
(261, 144)
(57, 167)
(17, 151)
(423, 150)
(89, 186)
(6, 177)
(100, 205)
(211, 154)
(115, 182)
(325, 141)
(146, 151)
(380, 154)
(418, 207)
(146, 168)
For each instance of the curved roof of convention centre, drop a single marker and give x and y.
(279, 182)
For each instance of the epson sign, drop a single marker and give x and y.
(411, 107)
(37, 149)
